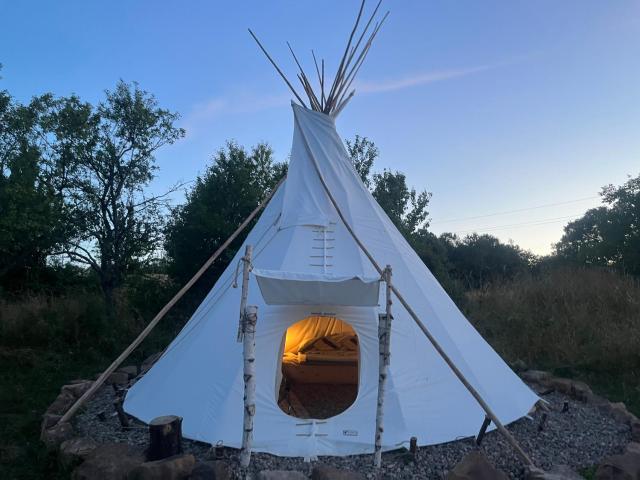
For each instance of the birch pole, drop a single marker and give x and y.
(249, 353)
(384, 338)
(160, 315)
(246, 334)
(246, 268)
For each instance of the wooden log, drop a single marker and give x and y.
(165, 437)
(384, 335)
(249, 353)
(116, 363)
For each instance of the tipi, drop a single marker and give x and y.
(313, 286)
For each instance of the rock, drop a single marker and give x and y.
(474, 466)
(217, 470)
(55, 435)
(75, 450)
(619, 412)
(557, 472)
(518, 365)
(562, 385)
(281, 475)
(578, 390)
(177, 467)
(635, 431)
(112, 461)
(78, 388)
(619, 467)
(118, 378)
(325, 472)
(632, 447)
(61, 404)
(130, 370)
(48, 421)
(537, 376)
(581, 391)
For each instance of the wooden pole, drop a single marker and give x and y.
(116, 363)
(246, 268)
(384, 338)
(456, 371)
(275, 65)
(249, 354)
(413, 446)
(483, 430)
(246, 334)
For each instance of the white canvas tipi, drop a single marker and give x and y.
(301, 246)
(319, 304)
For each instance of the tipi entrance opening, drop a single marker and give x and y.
(318, 375)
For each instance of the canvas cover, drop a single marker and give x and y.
(293, 288)
(200, 377)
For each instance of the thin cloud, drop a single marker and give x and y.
(251, 102)
(231, 104)
(415, 80)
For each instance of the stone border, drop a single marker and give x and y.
(73, 450)
(582, 392)
(629, 460)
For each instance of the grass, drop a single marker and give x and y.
(29, 381)
(580, 323)
(45, 342)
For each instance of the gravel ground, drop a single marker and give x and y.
(579, 437)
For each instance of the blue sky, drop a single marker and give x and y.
(492, 106)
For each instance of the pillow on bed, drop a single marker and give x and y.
(329, 343)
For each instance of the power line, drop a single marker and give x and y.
(535, 223)
(506, 212)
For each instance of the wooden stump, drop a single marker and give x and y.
(165, 437)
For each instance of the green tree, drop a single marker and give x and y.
(103, 159)
(29, 209)
(363, 153)
(222, 198)
(608, 235)
(478, 260)
(406, 207)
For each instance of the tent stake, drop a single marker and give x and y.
(116, 363)
(483, 430)
(456, 371)
(384, 338)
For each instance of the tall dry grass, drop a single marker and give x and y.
(563, 318)
(64, 323)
